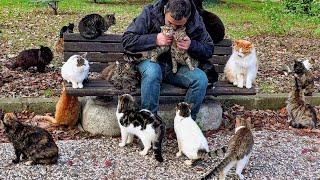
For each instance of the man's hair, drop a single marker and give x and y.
(178, 8)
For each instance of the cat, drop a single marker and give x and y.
(300, 114)
(194, 145)
(121, 75)
(303, 69)
(93, 25)
(167, 30)
(212, 22)
(59, 44)
(35, 144)
(178, 55)
(242, 66)
(238, 152)
(148, 127)
(75, 70)
(32, 57)
(67, 110)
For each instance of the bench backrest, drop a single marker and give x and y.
(108, 48)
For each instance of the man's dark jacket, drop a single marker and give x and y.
(142, 32)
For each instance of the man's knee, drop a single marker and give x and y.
(201, 79)
(150, 71)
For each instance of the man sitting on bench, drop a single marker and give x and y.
(143, 34)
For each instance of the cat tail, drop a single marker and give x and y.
(202, 153)
(216, 152)
(213, 173)
(158, 143)
(52, 120)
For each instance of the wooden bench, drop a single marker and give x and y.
(108, 48)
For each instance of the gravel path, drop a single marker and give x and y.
(276, 155)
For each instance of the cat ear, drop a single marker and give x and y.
(84, 55)
(190, 105)
(183, 28)
(312, 61)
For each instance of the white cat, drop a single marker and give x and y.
(242, 66)
(75, 70)
(191, 141)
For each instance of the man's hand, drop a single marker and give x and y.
(184, 44)
(163, 40)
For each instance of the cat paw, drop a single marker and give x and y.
(240, 86)
(143, 153)
(74, 86)
(122, 144)
(235, 83)
(80, 85)
(248, 86)
(174, 71)
(28, 163)
(192, 69)
(178, 154)
(188, 162)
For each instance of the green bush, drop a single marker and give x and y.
(309, 7)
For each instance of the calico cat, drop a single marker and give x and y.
(35, 144)
(300, 114)
(121, 75)
(59, 44)
(93, 25)
(238, 152)
(242, 66)
(32, 57)
(67, 110)
(303, 70)
(75, 70)
(194, 145)
(148, 127)
(167, 30)
(178, 55)
(212, 22)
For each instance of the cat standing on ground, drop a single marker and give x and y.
(94, 25)
(148, 127)
(75, 70)
(67, 110)
(300, 114)
(242, 66)
(33, 57)
(191, 141)
(35, 144)
(213, 23)
(59, 44)
(238, 152)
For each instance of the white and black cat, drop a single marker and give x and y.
(148, 127)
(93, 25)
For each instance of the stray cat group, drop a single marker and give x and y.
(36, 145)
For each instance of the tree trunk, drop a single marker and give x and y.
(54, 6)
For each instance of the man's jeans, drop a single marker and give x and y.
(153, 74)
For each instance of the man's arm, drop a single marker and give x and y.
(137, 38)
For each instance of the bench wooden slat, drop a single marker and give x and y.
(97, 56)
(219, 59)
(93, 47)
(102, 88)
(116, 38)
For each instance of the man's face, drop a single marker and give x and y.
(176, 24)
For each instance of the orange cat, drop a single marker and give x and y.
(242, 66)
(67, 110)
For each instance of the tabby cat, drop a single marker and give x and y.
(238, 152)
(67, 110)
(121, 75)
(212, 22)
(33, 57)
(194, 145)
(93, 25)
(167, 30)
(35, 144)
(148, 127)
(59, 44)
(303, 69)
(242, 66)
(300, 114)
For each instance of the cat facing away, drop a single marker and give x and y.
(75, 70)
(94, 25)
(238, 153)
(212, 22)
(39, 58)
(35, 144)
(148, 127)
(191, 141)
(242, 66)
(300, 114)
(122, 75)
(67, 110)
(59, 43)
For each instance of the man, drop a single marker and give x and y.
(143, 34)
